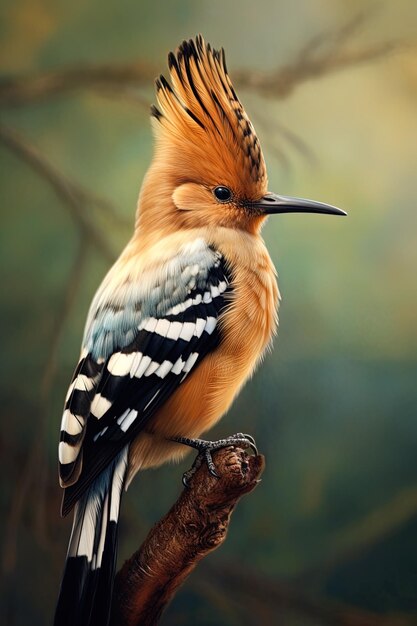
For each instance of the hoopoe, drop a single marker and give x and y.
(180, 321)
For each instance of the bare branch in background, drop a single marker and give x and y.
(334, 39)
(323, 54)
(78, 201)
(18, 91)
(281, 84)
(74, 197)
(272, 130)
(128, 94)
(34, 474)
(72, 287)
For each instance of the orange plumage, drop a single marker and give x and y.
(203, 139)
(247, 324)
(180, 321)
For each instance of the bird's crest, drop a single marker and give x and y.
(201, 116)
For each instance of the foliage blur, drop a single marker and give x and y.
(330, 536)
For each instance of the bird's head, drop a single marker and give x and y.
(208, 167)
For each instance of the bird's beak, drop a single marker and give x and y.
(271, 203)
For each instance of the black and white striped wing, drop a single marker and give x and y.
(111, 400)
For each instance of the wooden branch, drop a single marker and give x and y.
(196, 525)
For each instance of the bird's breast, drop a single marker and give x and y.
(247, 325)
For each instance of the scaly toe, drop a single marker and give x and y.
(210, 464)
(205, 448)
(250, 441)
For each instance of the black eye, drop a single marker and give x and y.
(223, 194)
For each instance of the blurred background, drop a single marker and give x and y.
(330, 535)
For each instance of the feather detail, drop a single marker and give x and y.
(177, 325)
(91, 559)
(173, 326)
(202, 105)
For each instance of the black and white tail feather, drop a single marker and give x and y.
(144, 335)
(87, 584)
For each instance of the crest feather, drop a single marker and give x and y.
(202, 109)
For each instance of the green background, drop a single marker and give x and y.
(333, 408)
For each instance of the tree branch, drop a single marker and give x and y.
(196, 525)
(21, 90)
(32, 478)
(282, 82)
(73, 196)
(323, 54)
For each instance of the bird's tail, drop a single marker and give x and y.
(87, 583)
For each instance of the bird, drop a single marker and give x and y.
(178, 324)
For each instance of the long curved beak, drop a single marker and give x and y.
(271, 203)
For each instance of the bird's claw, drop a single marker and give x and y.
(205, 449)
(250, 439)
(210, 463)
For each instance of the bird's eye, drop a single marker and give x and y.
(223, 194)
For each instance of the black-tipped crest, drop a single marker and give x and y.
(155, 112)
(202, 99)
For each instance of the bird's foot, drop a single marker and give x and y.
(205, 449)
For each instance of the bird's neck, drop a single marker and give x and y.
(156, 214)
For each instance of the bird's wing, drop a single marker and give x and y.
(137, 351)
